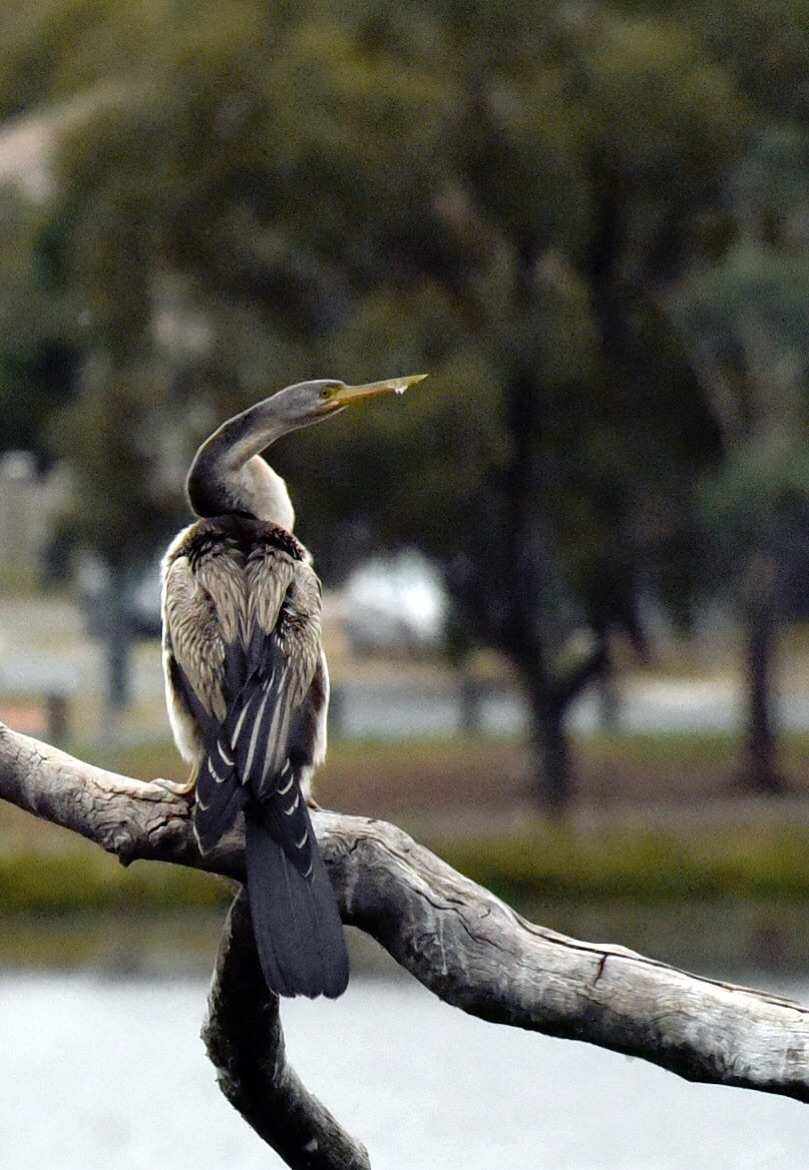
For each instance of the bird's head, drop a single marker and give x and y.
(310, 402)
(226, 474)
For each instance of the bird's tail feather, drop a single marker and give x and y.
(296, 923)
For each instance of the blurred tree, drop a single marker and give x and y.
(38, 359)
(747, 321)
(122, 506)
(767, 47)
(744, 318)
(494, 192)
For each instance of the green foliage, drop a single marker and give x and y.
(748, 317)
(107, 435)
(648, 867)
(767, 45)
(37, 40)
(60, 883)
(36, 351)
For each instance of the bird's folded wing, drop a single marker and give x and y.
(219, 798)
(247, 647)
(309, 735)
(282, 654)
(195, 637)
(281, 649)
(203, 662)
(259, 732)
(258, 722)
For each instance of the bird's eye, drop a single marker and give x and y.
(326, 392)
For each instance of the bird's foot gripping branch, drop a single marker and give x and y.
(459, 940)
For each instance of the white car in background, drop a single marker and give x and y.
(394, 603)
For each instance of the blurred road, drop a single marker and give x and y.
(43, 647)
(400, 710)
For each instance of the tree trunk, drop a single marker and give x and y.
(761, 763)
(552, 755)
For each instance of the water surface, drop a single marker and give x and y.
(102, 1071)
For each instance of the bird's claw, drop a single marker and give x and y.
(176, 787)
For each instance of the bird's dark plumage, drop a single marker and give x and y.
(245, 669)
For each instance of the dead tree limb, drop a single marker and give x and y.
(458, 939)
(245, 1042)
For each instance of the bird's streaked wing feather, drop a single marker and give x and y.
(246, 637)
(258, 730)
(308, 737)
(196, 637)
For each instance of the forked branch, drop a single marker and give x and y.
(458, 939)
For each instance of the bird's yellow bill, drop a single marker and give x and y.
(347, 394)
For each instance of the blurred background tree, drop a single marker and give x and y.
(37, 359)
(530, 204)
(745, 320)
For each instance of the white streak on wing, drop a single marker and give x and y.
(309, 871)
(237, 730)
(289, 811)
(251, 751)
(283, 791)
(274, 736)
(300, 844)
(224, 756)
(271, 738)
(219, 779)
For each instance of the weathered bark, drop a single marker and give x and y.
(459, 940)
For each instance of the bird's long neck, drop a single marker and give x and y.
(228, 474)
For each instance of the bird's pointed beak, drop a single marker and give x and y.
(347, 394)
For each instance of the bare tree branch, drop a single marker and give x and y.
(459, 940)
(245, 1041)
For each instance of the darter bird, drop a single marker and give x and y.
(247, 686)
